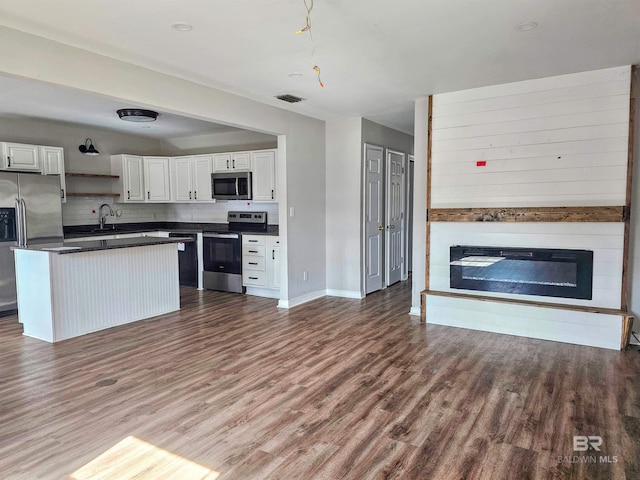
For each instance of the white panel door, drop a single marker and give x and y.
(156, 173)
(264, 176)
(374, 220)
(202, 168)
(52, 163)
(394, 251)
(133, 178)
(182, 190)
(21, 157)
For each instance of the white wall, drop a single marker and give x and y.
(36, 58)
(344, 199)
(376, 134)
(345, 139)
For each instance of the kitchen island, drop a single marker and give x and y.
(73, 288)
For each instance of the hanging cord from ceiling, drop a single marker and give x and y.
(307, 28)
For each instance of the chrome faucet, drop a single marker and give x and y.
(103, 217)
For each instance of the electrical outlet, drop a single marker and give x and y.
(305, 275)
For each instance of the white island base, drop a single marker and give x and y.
(65, 295)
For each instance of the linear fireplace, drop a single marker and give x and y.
(525, 271)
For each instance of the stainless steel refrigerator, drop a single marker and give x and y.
(30, 213)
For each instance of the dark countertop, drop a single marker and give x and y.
(94, 245)
(78, 231)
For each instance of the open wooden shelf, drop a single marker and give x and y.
(94, 194)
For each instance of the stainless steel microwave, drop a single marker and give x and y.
(231, 186)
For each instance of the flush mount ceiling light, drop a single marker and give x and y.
(181, 26)
(526, 26)
(88, 148)
(137, 115)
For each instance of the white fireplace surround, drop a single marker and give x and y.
(560, 141)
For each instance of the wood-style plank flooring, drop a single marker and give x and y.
(232, 387)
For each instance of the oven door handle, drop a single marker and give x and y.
(220, 235)
(237, 192)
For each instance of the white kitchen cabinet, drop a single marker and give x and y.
(20, 157)
(156, 178)
(130, 169)
(264, 175)
(273, 262)
(52, 163)
(191, 178)
(235, 161)
(261, 261)
(181, 179)
(202, 169)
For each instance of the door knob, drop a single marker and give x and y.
(381, 228)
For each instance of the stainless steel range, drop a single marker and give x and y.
(222, 251)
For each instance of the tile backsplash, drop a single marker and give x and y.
(80, 211)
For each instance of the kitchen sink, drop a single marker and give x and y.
(105, 230)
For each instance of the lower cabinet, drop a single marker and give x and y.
(261, 261)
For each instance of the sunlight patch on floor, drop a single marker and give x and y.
(134, 458)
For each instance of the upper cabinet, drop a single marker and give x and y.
(187, 179)
(202, 168)
(191, 178)
(20, 157)
(264, 176)
(52, 163)
(223, 162)
(130, 169)
(156, 177)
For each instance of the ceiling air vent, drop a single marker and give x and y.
(289, 98)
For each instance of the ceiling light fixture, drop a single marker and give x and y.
(526, 26)
(182, 27)
(137, 115)
(88, 148)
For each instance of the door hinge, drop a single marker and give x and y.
(427, 215)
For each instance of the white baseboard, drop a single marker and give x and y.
(415, 310)
(301, 299)
(345, 294)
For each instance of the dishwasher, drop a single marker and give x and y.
(187, 259)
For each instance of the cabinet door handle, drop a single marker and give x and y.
(62, 193)
(253, 251)
(253, 278)
(8, 161)
(271, 194)
(227, 164)
(234, 163)
(189, 195)
(128, 194)
(253, 263)
(195, 195)
(273, 254)
(148, 195)
(253, 241)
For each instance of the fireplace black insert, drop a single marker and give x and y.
(526, 271)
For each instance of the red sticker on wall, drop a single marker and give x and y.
(481, 163)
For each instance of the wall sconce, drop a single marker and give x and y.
(88, 148)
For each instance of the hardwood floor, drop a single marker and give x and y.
(233, 388)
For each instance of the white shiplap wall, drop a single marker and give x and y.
(559, 141)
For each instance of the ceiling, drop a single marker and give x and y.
(375, 57)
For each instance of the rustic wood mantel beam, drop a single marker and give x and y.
(530, 214)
